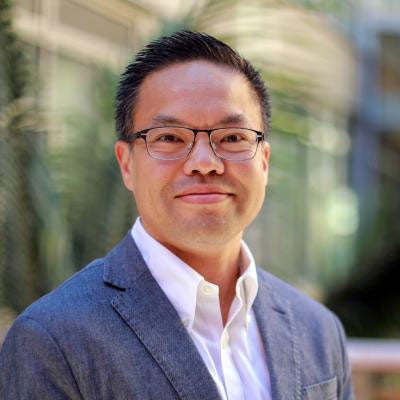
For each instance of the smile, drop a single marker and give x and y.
(204, 198)
(203, 194)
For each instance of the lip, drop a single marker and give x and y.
(203, 194)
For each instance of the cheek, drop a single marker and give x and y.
(149, 190)
(250, 183)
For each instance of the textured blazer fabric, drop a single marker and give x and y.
(109, 332)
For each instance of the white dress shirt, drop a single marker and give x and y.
(234, 353)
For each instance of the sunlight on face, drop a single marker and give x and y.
(200, 200)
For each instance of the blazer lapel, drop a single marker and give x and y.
(277, 328)
(150, 315)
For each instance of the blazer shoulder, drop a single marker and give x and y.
(88, 293)
(80, 289)
(304, 307)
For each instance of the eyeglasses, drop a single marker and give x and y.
(175, 142)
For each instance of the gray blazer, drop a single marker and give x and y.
(109, 332)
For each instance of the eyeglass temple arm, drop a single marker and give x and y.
(131, 137)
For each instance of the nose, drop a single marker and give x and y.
(202, 159)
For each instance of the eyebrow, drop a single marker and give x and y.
(234, 119)
(163, 119)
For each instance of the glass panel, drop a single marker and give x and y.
(390, 62)
(91, 22)
(26, 4)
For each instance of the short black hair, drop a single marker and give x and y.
(181, 47)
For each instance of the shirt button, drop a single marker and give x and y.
(208, 290)
(225, 340)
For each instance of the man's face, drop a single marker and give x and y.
(199, 201)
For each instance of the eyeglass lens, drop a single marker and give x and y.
(171, 143)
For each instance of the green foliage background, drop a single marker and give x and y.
(61, 206)
(20, 156)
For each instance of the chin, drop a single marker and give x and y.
(207, 228)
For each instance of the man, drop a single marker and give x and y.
(178, 310)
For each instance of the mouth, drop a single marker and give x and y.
(204, 194)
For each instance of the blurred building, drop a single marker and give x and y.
(375, 161)
(335, 160)
(68, 39)
(368, 302)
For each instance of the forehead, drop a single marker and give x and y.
(199, 93)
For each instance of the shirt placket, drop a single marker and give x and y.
(233, 381)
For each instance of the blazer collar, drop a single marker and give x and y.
(124, 264)
(276, 324)
(147, 311)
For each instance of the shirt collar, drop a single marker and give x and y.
(180, 282)
(248, 281)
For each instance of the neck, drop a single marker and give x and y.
(219, 266)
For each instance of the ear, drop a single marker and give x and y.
(266, 150)
(123, 154)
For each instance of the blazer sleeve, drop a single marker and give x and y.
(345, 384)
(33, 367)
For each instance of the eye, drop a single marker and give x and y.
(232, 138)
(169, 138)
